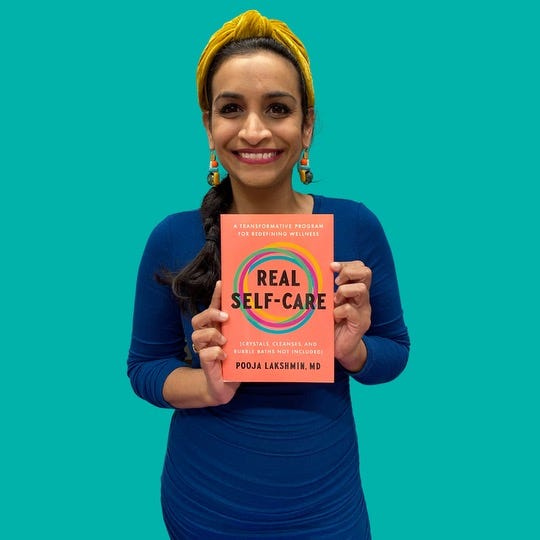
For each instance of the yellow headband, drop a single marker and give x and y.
(251, 24)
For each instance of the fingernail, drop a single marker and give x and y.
(223, 316)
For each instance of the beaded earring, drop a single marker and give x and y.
(306, 176)
(213, 171)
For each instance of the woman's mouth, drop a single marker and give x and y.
(258, 157)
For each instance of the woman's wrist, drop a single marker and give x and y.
(357, 359)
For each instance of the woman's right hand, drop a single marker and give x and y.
(208, 341)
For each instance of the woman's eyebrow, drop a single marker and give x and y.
(271, 95)
(228, 95)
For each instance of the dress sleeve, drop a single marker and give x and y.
(157, 340)
(387, 340)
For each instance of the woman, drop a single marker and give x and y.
(259, 460)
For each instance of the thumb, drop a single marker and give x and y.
(215, 302)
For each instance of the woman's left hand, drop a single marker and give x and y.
(352, 313)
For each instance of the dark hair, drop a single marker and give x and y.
(193, 285)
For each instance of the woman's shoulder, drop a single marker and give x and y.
(346, 210)
(186, 218)
(177, 226)
(177, 237)
(184, 222)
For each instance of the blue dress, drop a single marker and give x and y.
(279, 460)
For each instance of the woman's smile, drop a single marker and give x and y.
(258, 157)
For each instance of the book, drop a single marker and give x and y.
(278, 289)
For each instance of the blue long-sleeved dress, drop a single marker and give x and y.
(279, 460)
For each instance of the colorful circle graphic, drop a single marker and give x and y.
(290, 253)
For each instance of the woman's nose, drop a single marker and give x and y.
(254, 129)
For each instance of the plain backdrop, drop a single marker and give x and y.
(426, 111)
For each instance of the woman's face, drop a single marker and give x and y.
(256, 124)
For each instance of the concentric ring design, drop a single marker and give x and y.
(284, 251)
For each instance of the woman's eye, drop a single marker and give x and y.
(279, 109)
(229, 108)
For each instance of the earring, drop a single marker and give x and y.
(213, 171)
(306, 176)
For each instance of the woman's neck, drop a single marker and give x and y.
(271, 202)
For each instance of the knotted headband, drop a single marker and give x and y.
(251, 24)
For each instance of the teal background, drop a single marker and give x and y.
(427, 112)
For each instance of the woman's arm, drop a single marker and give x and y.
(372, 341)
(189, 388)
(157, 365)
(157, 341)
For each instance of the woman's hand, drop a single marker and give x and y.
(352, 313)
(207, 342)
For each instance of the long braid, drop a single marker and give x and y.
(193, 285)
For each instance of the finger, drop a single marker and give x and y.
(215, 302)
(356, 293)
(207, 337)
(353, 271)
(211, 359)
(208, 318)
(211, 356)
(351, 313)
(356, 320)
(213, 314)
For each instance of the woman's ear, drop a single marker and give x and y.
(206, 122)
(307, 128)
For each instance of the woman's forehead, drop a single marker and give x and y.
(261, 70)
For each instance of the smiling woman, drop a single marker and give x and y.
(273, 460)
(257, 125)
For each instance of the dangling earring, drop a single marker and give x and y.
(213, 171)
(306, 176)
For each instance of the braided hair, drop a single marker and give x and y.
(193, 285)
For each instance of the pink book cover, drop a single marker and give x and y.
(278, 289)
